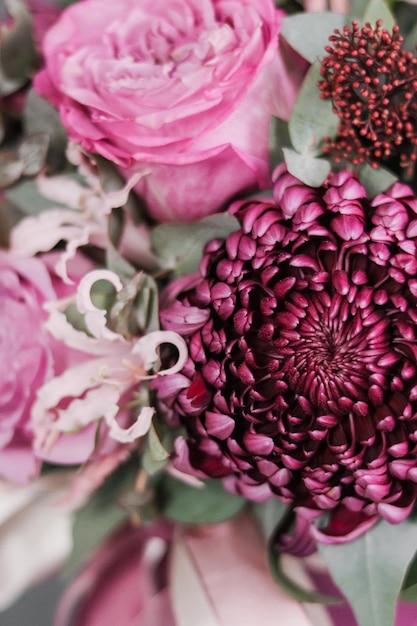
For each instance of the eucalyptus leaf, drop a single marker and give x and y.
(32, 152)
(308, 169)
(378, 10)
(91, 525)
(101, 514)
(17, 49)
(312, 118)
(371, 569)
(158, 451)
(375, 180)
(278, 137)
(308, 33)
(208, 504)
(11, 169)
(268, 514)
(39, 116)
(118, 264)
(179, 247)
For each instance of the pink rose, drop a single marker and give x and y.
(28, 356)
(181, 92)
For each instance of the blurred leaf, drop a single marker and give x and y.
(17, 51)
(158, 451)
(39, 116)
(136, 309)
(268, 514)
(409, 594)
(32, 152)
(9, 217)
(11, 169)
(179, 247)
(308, 169)
(378, 10)
(371, 569)
(312, 118)
(290, 586)
(101, 514)
(278, 138)
(376, 180)
(197, 505)
(308, 33)
(92, 524)
(25, 195)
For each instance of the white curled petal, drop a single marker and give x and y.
(97, 403)
(95, 318)
(138, 429)
(118, 198)
(148, 345)
(42, 232)
(58, 325)
(63, 190)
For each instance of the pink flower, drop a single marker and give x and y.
(206, 575)
(124, 582)
(301, 380)
(94, 391)
(180, 92)
(28, 357)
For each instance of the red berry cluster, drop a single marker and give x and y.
(373, 85)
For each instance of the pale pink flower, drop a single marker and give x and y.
(69, 407)
(82, 220)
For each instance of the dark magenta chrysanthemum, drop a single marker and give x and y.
(301, 380)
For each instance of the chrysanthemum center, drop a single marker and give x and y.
(335, 351)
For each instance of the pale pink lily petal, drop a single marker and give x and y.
(148, 344)
(215, 572)
(136, 430)
(95, 318)
(84, 223)
(58, 325)
(43, 232)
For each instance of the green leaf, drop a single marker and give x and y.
(371, 569)
(308, 169)
(179, 247)
(378, 10)
(308, 33)
(101, 515)
(290, 586)
(208, 504)
(158, 451)
(268, 514)
(376, 180)
(278, 137)
(39, 116)
(17, 50)
(25, 195)
(312, 118)
(92, 524)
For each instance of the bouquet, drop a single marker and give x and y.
(208, 296)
